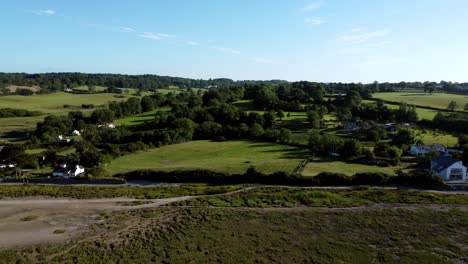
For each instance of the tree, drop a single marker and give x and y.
(452, 106)
(5, 90)
(314, 119)
(256, 130)
(280, 114)
(102, 116)
(343, 113)
(265, 97)
(284, 135)
(404, 137)
(184, 128)
(351, 148)
(466, 107)
(429, 87)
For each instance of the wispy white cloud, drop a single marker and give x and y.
(359, 36)
(312, 6)
(127, 29)
(192, 43)
(261, 60)
(224, 49)
(380, 60)
(315, 21)
(157, 36)
(45, 12)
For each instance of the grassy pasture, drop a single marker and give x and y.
(229, 157)
(316, 167)
(422, 112)
(436, 100)
(433, 137)
(140, 118)
(97, 88)
(47, 104)
(54, 103)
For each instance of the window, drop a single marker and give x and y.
(456, 175)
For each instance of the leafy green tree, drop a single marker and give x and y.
(452, 106)
(184, 128)
(256, 130)
(351, 148)
(429, 87)
(284, 135)
(280, 114)
(102, 116)
(404, 137)
(314, 119)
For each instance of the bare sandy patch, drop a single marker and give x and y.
(34, 88)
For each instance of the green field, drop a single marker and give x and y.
(229, 157)
(316, 167)
(436, 100)
(140, 118)
(54, 103)
(97, 88)
(433, 137)
(422, 112)
(47, 104)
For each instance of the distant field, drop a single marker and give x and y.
(47, 104)
(432, 137)
(436, 100)
(229, 157)
(316, 167)
(422, 113)
(140, 118)
(97, 88)
(54, 103)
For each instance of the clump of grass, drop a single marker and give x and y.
(133, 203)
(29, 218)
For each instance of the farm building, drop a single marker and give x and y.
(66, 172)
(350, 124)
(448, 168)
(421, 150)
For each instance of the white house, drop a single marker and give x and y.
(421, 150)
(449, 169)
(65, 172)
(76, 132)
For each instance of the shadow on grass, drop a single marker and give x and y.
(416, 94)
(286, 152)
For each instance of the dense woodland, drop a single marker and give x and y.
(57, 81)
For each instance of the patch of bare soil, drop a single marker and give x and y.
(32, 221)
(34, 88)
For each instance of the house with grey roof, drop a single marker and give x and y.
(448, 168)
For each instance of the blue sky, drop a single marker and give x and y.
(324, 40)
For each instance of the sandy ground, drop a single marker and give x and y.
(34, 88)
(46, 216)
